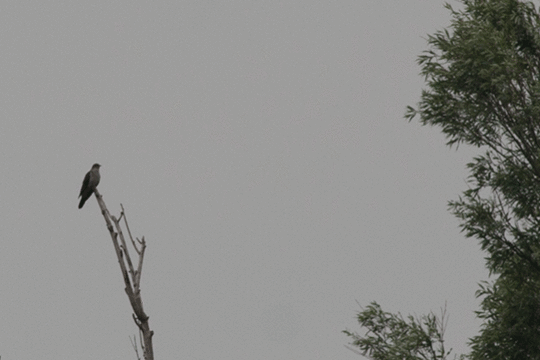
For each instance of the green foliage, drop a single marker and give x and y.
(391, 337)
(511, 317)
(483, 89)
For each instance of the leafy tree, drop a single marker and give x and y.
(391, 337)
(483, 89)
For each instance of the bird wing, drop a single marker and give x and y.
(85, 183)
(94, 178)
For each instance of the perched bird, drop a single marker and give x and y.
(91, 180)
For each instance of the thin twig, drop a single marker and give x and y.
(124, 246)
(134, 344)
(129, 231)
(139, 267)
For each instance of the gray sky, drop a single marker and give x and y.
(259, 146)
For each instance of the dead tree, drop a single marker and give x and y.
(132, 276)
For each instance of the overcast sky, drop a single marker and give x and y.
(260, 148)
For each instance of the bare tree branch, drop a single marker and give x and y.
(132, 288)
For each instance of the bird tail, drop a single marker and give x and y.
(81, 203)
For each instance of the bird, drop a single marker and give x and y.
(91, 180)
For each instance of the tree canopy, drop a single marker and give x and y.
(483, 89)
(391, 337)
